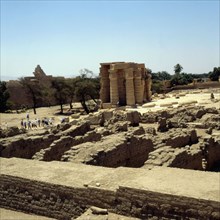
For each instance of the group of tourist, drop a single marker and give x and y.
(35, 123)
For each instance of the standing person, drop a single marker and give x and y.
(38, 122)
(28, 117)
(29, 125)
(22, 123)
(25, 124)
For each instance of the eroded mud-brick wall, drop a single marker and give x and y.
(62, 202)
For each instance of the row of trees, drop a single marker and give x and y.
(181, 78)
(4, 96)
(81, 89)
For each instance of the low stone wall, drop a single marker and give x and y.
(51, 200)
(146, 204)
(114, 151)
(162, 193)
(203, 85)
(64, 203)
(56, 150)
(26, 147)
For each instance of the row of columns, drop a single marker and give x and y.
(137, 88)
(134, 87)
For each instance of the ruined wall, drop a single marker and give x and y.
(15, 88)
(202, 85)
(146, 204)
(112, 151)
(62, 202)
(45, 146)
(57, 149)
(131, 153)
(50, 200)
(26, 147)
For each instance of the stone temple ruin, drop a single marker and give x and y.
(124, 84)
(120, 163)
(15, 88)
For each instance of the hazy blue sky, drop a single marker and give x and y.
(66, 36)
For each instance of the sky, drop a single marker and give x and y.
(66, 36)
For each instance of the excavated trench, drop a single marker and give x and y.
(129, 146)
(121, 149)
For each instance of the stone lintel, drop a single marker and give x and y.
(118, 66)
(109, 63)
(141, 65)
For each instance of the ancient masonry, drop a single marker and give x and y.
(124, 84)
(15, 88)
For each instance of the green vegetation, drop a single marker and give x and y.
(33, 90)
(82, 88)
(61, 88)
(87, 88)
(215, 74)
(160, 76)
(4, 96)
(180, 78)
(177, 69)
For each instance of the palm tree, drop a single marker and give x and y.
(178, 68)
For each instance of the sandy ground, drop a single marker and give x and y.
(14, 119)
(6, 214)
(88, 215)
(185, 98)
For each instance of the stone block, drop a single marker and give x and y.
(106, 105)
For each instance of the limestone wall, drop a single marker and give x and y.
(139, 193)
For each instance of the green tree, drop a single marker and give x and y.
(60, 91)
(181, 79)
(71, 87)
(33, 90)
(47, 93)
(215, 74)
(178, 68)
(160, 76)
(87, 88)
(4, 96)
(157, 86)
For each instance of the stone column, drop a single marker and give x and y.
(113, 87)
(138, 87)
(105, 85)
(148, 87)
(130, 98)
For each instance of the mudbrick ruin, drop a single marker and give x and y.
(118, 164)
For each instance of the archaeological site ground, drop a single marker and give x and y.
(158, 160)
